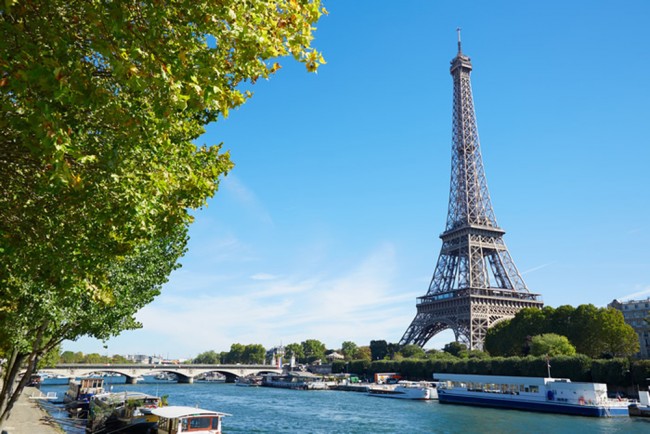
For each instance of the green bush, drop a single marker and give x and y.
(614, 372)
(507, 366)
(360, 367)
(534, 367)
(611, 371)
(338, 366)
(640, 373)
(576, 368)
(479, 366)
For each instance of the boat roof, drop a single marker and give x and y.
(115, 397)
(176, 411)
(497, 379)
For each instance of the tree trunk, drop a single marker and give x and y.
(9, 395)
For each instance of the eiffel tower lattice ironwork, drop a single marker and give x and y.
(475, 284)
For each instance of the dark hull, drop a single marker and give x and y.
(544, 407)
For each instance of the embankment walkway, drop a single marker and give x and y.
(27, 417)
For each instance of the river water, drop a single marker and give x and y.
(269, 410)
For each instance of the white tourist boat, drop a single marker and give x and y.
(551, 395)
(421, 390)
(180, 419)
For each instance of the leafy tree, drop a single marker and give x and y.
(363, 353)
(454, 348)
(100, 104)
(93, 358)
(236, 353)
(313, 350)
(254, 353)
(120, 360)
(296, 351)
(70, 357)
(619, 339)
(378, 349)
(349, 349)
(585, 332)
(392, 349)
(51, 358)
(207, 358)
(412, 351)
(552, 345)
(593, 331)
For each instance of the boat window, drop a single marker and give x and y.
(200, 422)
(215, 423)
(534, 389)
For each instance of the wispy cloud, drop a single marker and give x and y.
(645, 292)
(263, 276)
(361, 304)
(246, 198)
(539, 267)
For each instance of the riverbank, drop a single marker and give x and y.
(27, 417)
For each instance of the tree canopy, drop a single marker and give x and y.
(349, 349)
(207, 358)
(593, 331)
(313, 350)
(378, 349)
(101, 103)
(551, 344)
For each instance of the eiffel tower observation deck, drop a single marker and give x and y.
(476, 283)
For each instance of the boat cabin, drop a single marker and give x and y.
(179, 419)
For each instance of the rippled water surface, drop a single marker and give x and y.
(268, 410)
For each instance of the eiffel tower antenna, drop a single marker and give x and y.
(475, 283)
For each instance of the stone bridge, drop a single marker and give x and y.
(186, 373)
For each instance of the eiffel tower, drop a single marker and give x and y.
(475, 284)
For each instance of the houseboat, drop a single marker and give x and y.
(295, 380)
(420, 390)
(77, 397)
(179, 419)
(124, 412)
(550, 395)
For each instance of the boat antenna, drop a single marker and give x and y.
(548, 365)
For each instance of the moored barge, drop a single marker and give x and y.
(550, 395)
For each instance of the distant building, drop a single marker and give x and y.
(334, 356)
(275, 355)
(635, 312)
(138, 358)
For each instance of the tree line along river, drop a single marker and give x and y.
(270, 410)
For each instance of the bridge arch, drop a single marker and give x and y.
(186, 373)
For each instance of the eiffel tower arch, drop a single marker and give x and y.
(475, 283)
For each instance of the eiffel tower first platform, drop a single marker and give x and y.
(475, 284)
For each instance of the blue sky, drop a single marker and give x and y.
(328, 226)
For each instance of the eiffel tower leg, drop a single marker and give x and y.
(423, 327)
